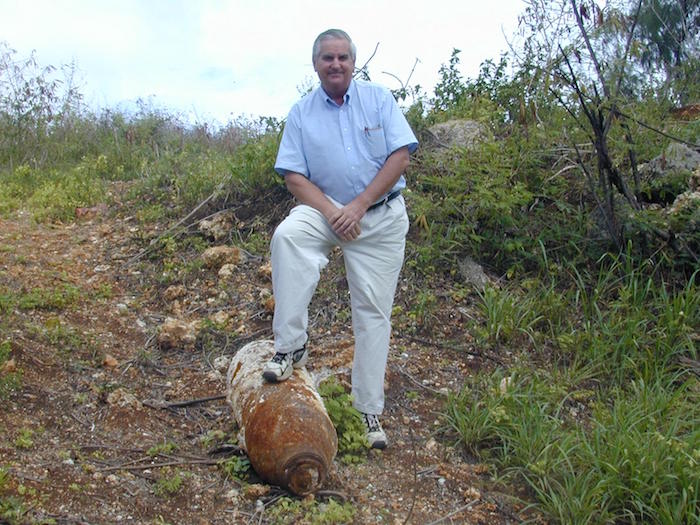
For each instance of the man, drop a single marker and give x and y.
(343, 152)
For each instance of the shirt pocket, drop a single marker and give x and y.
(374, 140)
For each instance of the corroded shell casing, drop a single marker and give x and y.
(284, 427)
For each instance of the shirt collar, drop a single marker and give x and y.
(346, 98)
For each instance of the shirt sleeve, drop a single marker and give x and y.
(396, 129)
(290, 156)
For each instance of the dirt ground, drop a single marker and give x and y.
(94, 433)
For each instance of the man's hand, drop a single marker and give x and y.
(345, 221)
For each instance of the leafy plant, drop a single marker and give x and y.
(168, 484)
(352, 444)
(10, 380)
(236, 467)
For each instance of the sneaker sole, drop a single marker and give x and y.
(380, 445)
(271, 377)
(302, 361)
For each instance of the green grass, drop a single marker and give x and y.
(607, 429)
(9, 380)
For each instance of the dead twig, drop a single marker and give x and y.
(159, 403)
(169, 231)
(415, 474)
(161, 465)
(454, 512)
(418, 383)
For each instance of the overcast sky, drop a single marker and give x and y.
(211, 60)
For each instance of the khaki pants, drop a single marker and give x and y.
(300, 248)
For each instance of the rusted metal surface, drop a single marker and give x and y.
(284, 427)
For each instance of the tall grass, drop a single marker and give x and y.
(607, 428)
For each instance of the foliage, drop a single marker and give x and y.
(169, 484)
(9, 380)
(597, 305)
(310, 511)
(236, 467)
(607, 430)
(352, 444)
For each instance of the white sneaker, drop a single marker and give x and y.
(374, 432)
(280, 367)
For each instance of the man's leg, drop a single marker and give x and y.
(373, 262)
(299, 247)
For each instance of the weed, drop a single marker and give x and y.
(352, 444)
(10, 380)
(212, 437)
(287, 511)
(236, 467)
(49, 299)
(24, 439)
(162, 448)
(104, 291)
(64, 338)
(168, 484)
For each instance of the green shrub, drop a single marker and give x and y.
(352, 444)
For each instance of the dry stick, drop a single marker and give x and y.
(171, 229)
(463, 507)
(161, 465)
(415, 474)
(418, 383)
(155, 403)
(651, 128)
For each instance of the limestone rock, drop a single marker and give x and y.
(109, 361)
(176, 333)
(216, 228)
(227, 271)
(473, 273)
(459, 132)
(676, 157)
(216, 256)
(123, 399)
(174, 292)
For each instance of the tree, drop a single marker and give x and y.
(667, 31)
(587, 57)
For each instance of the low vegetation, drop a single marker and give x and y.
(593, 300)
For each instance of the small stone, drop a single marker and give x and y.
(9, 366)
(174, 292)
(256, 490)
(222, 362)
(123, 399)
(431, 445)
(220, 318)
(109, 362)
(227, 271)
(176, 333)
(216, 256)
(265, 271)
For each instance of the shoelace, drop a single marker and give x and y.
(372, 423)
(278, 358)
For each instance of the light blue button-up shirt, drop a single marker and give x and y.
(341, 148)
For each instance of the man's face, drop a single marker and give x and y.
(335, 66)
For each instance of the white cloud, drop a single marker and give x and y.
(222, 57)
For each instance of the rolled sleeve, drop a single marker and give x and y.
(290, 156)
(397, 131)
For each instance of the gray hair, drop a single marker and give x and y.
(331, 34)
